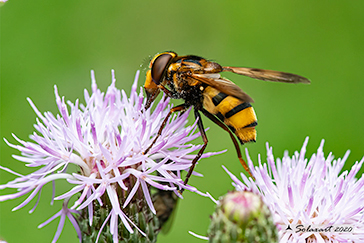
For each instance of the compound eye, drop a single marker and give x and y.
(159, 66)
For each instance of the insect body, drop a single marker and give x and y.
(237, 114)
(198, 82)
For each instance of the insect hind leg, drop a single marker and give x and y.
(236, 144)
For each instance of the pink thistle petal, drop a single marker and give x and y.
(147, 196)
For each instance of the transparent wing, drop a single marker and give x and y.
(268, 75)
(223, 85)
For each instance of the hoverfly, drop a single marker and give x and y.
(198, 82)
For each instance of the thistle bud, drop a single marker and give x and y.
(242, 216)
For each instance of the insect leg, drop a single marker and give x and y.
(181, 107)
(199, 154)
(165, 90)
(236, 144)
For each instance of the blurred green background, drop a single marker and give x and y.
(58, 42)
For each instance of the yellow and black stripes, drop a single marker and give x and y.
(238, 115)
(237, 108)
(218, 97)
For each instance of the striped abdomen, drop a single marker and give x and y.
(238, 115)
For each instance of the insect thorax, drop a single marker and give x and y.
(181, 89)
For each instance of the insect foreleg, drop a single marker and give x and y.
(181, 107)
(166, 91)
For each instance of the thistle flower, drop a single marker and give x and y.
(105, 140)
(309, 199)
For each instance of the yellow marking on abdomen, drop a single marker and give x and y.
(238, 115)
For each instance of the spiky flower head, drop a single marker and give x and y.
(309, 198)
(105, 140)
(242, 216)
